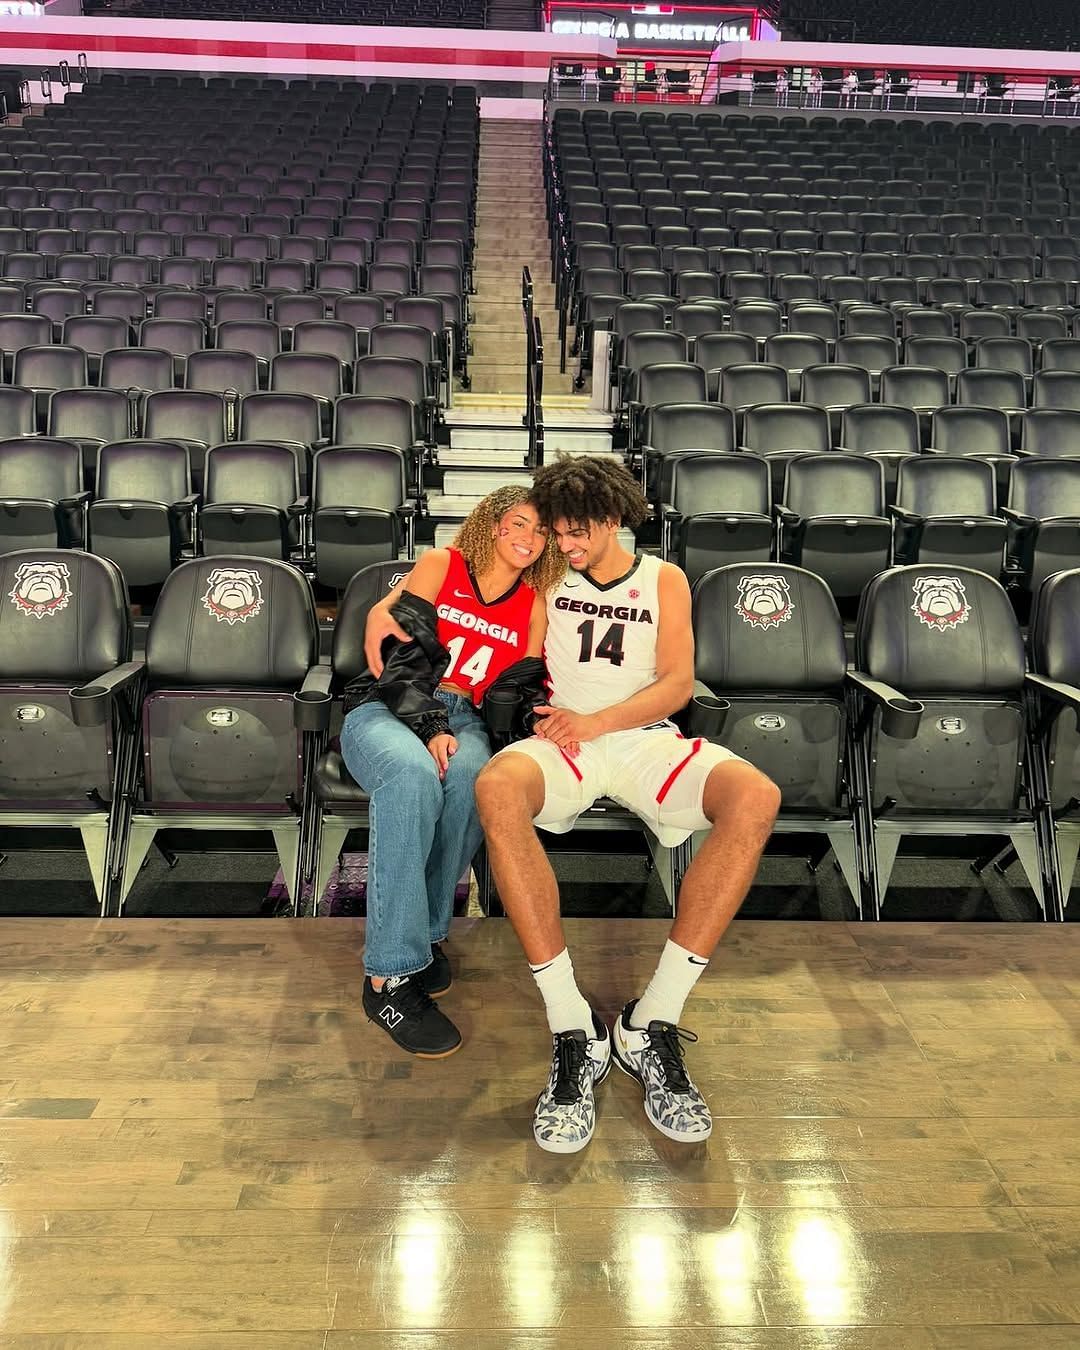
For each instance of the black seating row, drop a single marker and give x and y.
(939, 728)
(331, 513)
(831, 513)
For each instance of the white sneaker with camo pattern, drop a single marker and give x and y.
(565, 1115)
(655, 1058)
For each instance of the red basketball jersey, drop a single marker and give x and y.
(483, 639)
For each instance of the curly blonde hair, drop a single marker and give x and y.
(476, 539)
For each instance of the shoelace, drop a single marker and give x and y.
(570, 1061)
(667, 1042)
(410, 997)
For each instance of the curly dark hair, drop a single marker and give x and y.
(586, 489)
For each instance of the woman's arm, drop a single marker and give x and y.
(425, 580)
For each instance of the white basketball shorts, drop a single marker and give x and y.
(654, 771)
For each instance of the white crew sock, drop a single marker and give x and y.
(669, 988)
(566, 1007)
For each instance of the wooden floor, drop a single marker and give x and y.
(203, 1144)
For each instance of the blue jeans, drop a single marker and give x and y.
(423, 832)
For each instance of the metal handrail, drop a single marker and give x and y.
(534, 374)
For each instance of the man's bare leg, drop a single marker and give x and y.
(509, 795)
(741, 803)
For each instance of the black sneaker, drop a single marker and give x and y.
(437, 978)
(407, 1014)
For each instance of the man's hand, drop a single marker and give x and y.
(564, 728)
(442, 748)
(380, 625)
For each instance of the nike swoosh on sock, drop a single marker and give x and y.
(537, 969)
(695, 962)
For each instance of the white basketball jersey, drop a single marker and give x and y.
(601, 640)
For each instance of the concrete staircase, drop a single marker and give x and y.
(488, 442)
(511, 233)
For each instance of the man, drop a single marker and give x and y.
(620, 656)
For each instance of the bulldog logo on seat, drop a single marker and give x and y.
(41, 588)
(764, 600)
(233, 594)
(940, 602)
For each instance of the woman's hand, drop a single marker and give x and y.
(441, 748)
(381, 625)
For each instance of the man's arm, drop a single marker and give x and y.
(669, 692)
(537, 627)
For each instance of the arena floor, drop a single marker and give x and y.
(203, 1144)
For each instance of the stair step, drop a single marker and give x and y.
(576, 441)
(497, 440)
(505, 461)
(461, 482)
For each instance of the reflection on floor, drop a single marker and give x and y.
(203, 1144)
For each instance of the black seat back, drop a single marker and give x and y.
(64, 620)
(365, 589)
(769, 640)
(230, 641)
(948, 637)
(1055, 653)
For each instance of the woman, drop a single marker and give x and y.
(470, 617)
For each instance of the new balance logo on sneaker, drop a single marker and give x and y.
(404, 1007)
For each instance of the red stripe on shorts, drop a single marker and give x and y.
(670, 779)
(573, 767)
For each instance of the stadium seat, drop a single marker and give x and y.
(832, 520)
(1054, 679)
(940, 725)
(141, 515)
(230, 643)
(42, 499)
(770, 661)
(717, 509)
(946, 513)
(340, 805)
(68, 702)
(1043, 513)
(360, 510)
(252, 503)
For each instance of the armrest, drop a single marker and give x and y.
(406, 509)
(1018, 518)
(900, 716)
(90, 703)
(1065, 694)
(300, 507)
(706, 712)
(907, 516)
(785, 515)
(76, 500)
(312, 701)
(186, 505)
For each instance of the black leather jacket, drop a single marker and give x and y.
(412, 672)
